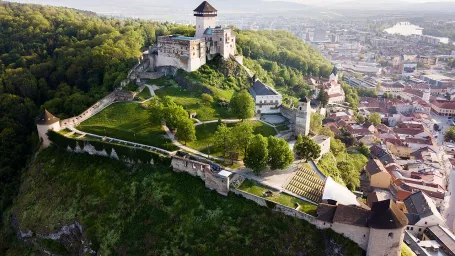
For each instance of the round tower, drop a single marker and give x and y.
(387, 223)
(47, 122)
(205, 15)
(302, 117)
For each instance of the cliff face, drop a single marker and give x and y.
(69, 239)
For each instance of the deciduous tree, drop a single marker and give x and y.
(306, 148)
(280, 155)
(186, 131)
(242, 105)
(257, 154)
(374, 118)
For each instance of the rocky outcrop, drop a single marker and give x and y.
(69, 239)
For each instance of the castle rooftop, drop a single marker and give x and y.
(262, 89)
(47, 118)
(205, 10)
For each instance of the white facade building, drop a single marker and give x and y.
(267, 100)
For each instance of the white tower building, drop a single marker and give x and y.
(334, 75)
(426, 95)
(205, 18)
(47, 122)
(302, 118)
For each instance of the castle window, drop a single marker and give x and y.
(221, 39)
(390, 235)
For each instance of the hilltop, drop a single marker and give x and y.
(64, 60)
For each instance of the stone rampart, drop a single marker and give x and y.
(212, 179)
(289, 113)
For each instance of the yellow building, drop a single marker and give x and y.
(379, 177)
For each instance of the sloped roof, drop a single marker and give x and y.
(422, 205)
(386, 215)
(205, 7)
(261, 89)
(351, 215)
(334, 191)
(326, 212)
(47, 118)
(375, 166)
(335, 70)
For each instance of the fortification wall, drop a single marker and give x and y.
(192, 167)
(360, 235)
(216, 182)
(288, 113)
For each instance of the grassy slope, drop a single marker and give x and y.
(205, 133)
(154, 211)
(191, 101)
(128, 121)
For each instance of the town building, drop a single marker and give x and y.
(421, 213)
(377, 174)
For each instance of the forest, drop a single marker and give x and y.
(63, 60)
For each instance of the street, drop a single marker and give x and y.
(448, 208)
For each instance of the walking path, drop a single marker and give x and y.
(119, 141)
(226, 121)
(193, 151)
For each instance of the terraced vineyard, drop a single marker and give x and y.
(307, 184)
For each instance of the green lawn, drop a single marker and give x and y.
(205, 133)
(143, 210)
(282, 128)
(191, 101)
(144, 94)
(128, 121)
(254, 188)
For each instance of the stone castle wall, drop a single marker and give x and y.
(289, 113)
(202, 170)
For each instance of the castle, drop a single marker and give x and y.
(190, 53)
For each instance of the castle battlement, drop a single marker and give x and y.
(190, 53)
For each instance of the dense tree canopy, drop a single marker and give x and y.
(63, 60)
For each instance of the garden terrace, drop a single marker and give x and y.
(307, 184)
(257, 189)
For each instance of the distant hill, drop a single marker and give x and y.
(157, 8)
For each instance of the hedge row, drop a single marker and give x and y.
(124, 153)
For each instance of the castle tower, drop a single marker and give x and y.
(205, 18)
(387, 223)
(47, 122)
(302, 118)
(334, 75)
(426, 95)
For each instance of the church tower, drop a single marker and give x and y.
(205, 18)
(334, 75)
(303, 116)
(426, 95)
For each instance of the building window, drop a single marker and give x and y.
(390, 235)
(420, 229)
